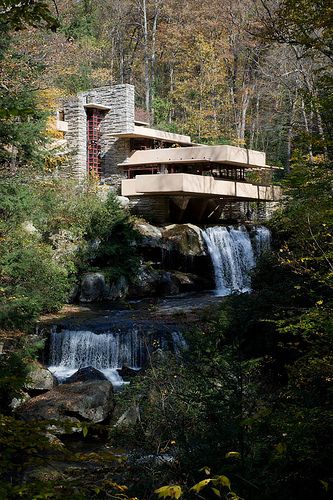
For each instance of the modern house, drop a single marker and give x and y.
(164, 175)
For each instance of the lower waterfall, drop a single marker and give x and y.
(234, 253)
(108, 352)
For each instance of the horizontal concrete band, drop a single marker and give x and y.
(214, 154)
(150, 133)
(197, 185)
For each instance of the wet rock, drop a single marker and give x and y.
(151, 282)
(93, 287)
(185, 239)
(85, 374)
(146, 282)
(119, 289)
(189, 282)
(168, 284)
(126, 372)
(70, 404)
(40, 379)
(151, 235)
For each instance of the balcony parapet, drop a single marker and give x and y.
(197, 186)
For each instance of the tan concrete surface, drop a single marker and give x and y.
(229, 155)
(150, 133)
(197, 185)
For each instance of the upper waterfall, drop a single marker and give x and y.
(234, 253)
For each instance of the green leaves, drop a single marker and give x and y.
(19, 15)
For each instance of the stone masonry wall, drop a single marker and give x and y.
(153, 209)
(76, 136)
(120, 118)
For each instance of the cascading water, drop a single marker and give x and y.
(261, 240)
(233, 255)
(108, 352)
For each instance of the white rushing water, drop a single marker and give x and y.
(108, 352)
(234, 253)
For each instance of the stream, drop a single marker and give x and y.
(112, 340)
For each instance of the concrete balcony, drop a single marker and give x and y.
(141, 132)
(197, 186)
(227, 155)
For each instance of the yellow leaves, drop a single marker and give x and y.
(222, 481)
(199, 486)
(206, 470)
(216, 483)
(169, 492)
(232, 454)
(48, 98)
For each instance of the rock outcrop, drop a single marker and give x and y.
(86, 374)
(185, 239)
(153, 282)
(151, 236)
(71, 403)
(118, 289)
(93, 287)
(40, 379)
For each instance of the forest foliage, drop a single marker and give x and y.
(251, 400)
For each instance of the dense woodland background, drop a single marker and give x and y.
(251, 401)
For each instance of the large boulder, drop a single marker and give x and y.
(146, 282)
(86, 374)
(151, 282)
(72, 403)
(118, 289)
(126, 372)
(93, 287)
(151, 236)
(167, 284)
(123, 201)
(185, 239)
(39, 379)
(189, 282)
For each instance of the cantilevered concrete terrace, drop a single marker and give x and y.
(140, 132)
(197, 186)
(198, 171)
(228, 155)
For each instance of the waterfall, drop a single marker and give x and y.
(262, 240)
(108, 352)
(233, 255)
